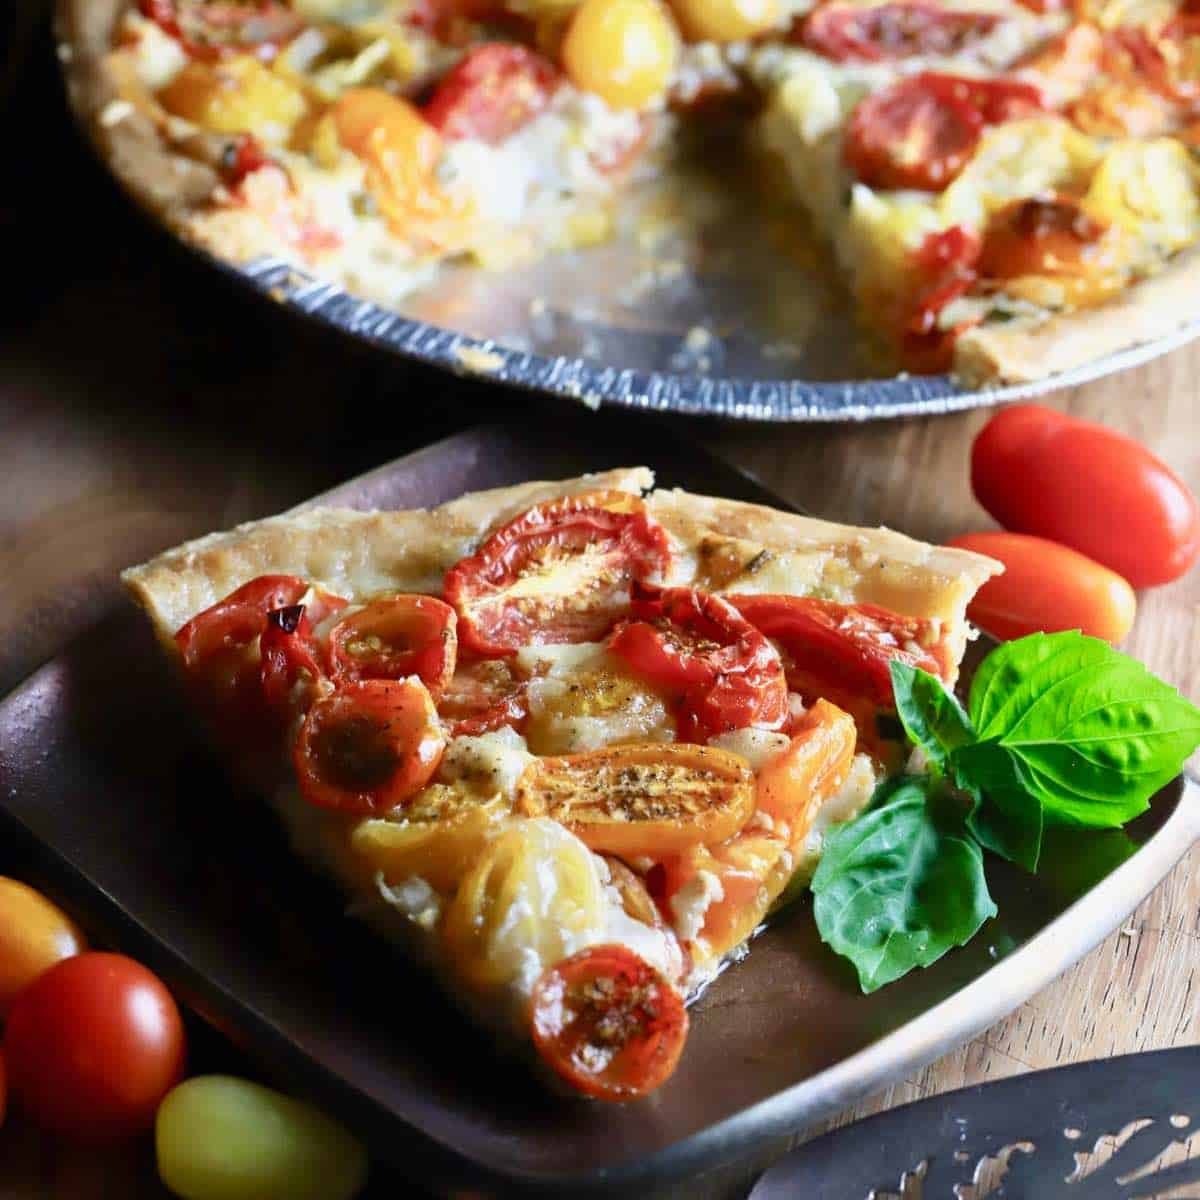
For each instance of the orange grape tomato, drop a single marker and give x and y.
(1047, 587)
(608, 1023)
(34, 935)
(1092, 488)
(814, 765)
(92, 1046)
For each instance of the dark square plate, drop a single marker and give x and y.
(102, 776)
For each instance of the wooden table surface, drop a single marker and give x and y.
(141, 402)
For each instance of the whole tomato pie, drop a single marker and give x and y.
(1008, 187)
(568, 742)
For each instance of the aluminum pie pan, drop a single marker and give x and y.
(594, 383)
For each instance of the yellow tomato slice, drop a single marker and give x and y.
(535, 890)
(792, 785)
(650, 798)
(439, 835)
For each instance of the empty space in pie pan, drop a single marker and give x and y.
(721, 317)
(127, 819)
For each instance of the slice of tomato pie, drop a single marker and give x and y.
(567, 740)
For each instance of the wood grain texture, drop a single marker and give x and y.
(141, 402)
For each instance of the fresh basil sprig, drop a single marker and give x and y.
(901, 885)
(1059, 729)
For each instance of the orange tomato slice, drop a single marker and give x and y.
(648, 798)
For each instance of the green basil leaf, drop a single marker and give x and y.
(900, 885)
(1007, 817)
(931, 715)
(1094, 732)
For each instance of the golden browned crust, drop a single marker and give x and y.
(720, 544)
(350, 552)
(116, 113)
(1019, 353)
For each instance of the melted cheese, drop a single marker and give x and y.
(490, 764)
(756, 746)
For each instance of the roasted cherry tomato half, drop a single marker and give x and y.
(608, 1023)
(847, 32)
(921, 131)
(724, 672)
(849, 646)
(792, 784)
(216, 28)
(1090, 487)
(369, 746)
(492, 92)
(560, 572)
(914, 134)
(649, 799)
(1047, 588)
(92, 1047)
(394, 638)
(34, 935)
(484, 695)
(290, 660)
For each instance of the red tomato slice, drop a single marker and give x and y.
(915, 134)
(492, 92)
(724, 671)
(560, 572)
(369, 746)
(1047, 588)
(608, 1023)
(223, 27)
(483, 695)
(921, 131)
(891, 31)
(1095, 489)
(847, 645)
(243, 156)
(394, 638)
(290, 668)
(948, 260)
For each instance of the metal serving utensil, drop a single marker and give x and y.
(1114, 1128)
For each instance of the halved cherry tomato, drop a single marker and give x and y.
(947, 259)
(290, 669)
(890, 31)
(1053, 237)
(394, 638)
(608, 1023)
(921, 131)
(92, 1046)
(241, 157)
(369, 746)
(1090, 487)
(220, 652)
(654, 798)
(914, 134)
(724, 671)
(847, 645)
(484, 695)
(560, 572)
(1046, 588)
(210, 29)
(792, 785)
(34, 935)
(492, 92)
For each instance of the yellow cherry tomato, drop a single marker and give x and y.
(239, 95)
(34, 935)
(725, 20)
(624, 51)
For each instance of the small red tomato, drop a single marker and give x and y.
(396, 637)
(92, 1047)
(608, 1023)
(1096, 490)
(1046, 588)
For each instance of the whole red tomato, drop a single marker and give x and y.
(1091, 488)
(92, 1046)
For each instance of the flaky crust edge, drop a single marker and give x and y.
(363, 553)
(1150, 310)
